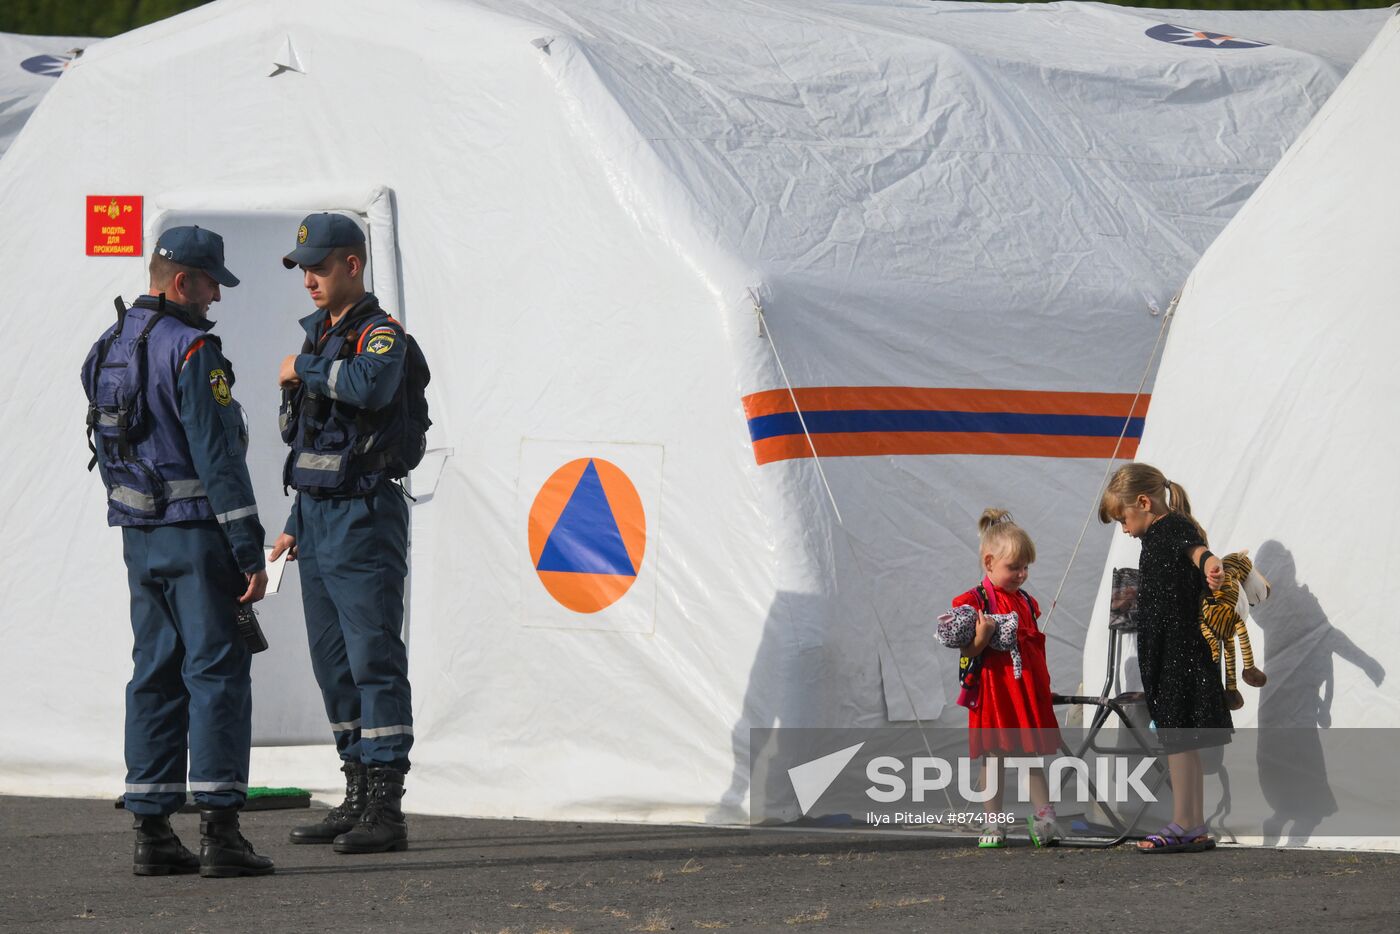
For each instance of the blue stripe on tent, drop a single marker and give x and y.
(1005, 423)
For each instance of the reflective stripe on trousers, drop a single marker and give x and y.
(155, 788)
(402, 729)
(374, 732)
(218, 786)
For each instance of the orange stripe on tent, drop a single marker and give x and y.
(916, 398)
(868, 444)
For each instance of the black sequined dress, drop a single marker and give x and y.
(1185, 693)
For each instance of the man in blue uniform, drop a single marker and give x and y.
(170, 442)
(344, 417)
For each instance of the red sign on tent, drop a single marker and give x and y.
(113, 225)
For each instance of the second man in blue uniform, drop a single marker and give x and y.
(343, 416)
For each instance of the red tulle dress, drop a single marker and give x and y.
(1013, 715)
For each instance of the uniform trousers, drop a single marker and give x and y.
(190, 693)
(352, 555)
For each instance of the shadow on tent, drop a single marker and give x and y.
(1296, 704)
(785, 684)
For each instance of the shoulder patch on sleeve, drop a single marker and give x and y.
(218, 385)
(380, 340)
(390, 328)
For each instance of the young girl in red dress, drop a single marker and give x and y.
(1010, 715)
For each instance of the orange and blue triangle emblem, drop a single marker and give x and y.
(585, 539)
(587, 534)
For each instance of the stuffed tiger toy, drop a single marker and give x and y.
(1223, 613)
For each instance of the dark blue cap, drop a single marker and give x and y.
(199, 249)
(318, 235)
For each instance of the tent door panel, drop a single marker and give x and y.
(257, 321)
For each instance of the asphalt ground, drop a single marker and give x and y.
(65, 865)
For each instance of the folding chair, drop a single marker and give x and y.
(1131, 710)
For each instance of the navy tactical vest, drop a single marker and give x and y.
(138, 441)
(340, 449)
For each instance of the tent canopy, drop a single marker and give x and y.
(29, 66)
(960, 223)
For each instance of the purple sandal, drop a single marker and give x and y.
(1174, 838)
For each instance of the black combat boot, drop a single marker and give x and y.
(158, 851)
(223, 852)
(382, 827)
(343, 817)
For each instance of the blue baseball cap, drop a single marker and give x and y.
(199, 249)
(318, 235)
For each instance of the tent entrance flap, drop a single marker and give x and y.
(257, 321)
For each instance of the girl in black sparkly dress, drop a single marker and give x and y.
(1184, 691)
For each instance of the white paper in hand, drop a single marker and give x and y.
(274, 570)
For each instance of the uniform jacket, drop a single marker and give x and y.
(365, 382)
(192, 452)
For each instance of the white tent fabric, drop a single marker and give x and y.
(960, 222)
(29, 66)
(1269, 410)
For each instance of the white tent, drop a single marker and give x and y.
(29, 66)
(1270, 409)
(959, 221)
